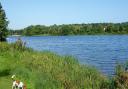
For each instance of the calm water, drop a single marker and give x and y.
(102, 52)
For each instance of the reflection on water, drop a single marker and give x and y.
(102, 52)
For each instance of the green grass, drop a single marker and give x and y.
(5, 82)
(46, 70)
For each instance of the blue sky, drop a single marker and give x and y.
(22, 13)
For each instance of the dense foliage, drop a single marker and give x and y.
(3, 25)
(74, 29)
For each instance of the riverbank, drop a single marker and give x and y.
(46, 70)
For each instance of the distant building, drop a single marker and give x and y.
(104, 29)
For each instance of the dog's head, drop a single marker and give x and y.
(17, 81)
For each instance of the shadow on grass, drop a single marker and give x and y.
(4, 73)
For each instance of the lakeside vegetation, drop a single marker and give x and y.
(73, 29)
(46, 70)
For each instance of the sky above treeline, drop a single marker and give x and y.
(22, 13)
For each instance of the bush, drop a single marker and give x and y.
(4, 47)
(120, 80)
(19, 45)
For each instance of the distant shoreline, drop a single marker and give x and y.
(71, 35)
(73, 29)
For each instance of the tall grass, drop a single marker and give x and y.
(46, 70)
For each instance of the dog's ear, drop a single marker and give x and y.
(13, 76)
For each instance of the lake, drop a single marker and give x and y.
(101, 51)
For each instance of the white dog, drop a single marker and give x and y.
(17, 84)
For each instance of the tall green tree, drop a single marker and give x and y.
(3, 25)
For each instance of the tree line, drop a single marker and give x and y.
(73, 29)
(3, 24)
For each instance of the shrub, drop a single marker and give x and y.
(19, 45)
(120, 80)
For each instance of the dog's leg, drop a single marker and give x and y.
(12, 87)
(20, 87)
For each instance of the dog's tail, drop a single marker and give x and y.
(24, 87)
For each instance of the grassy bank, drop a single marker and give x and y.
(46, 70)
